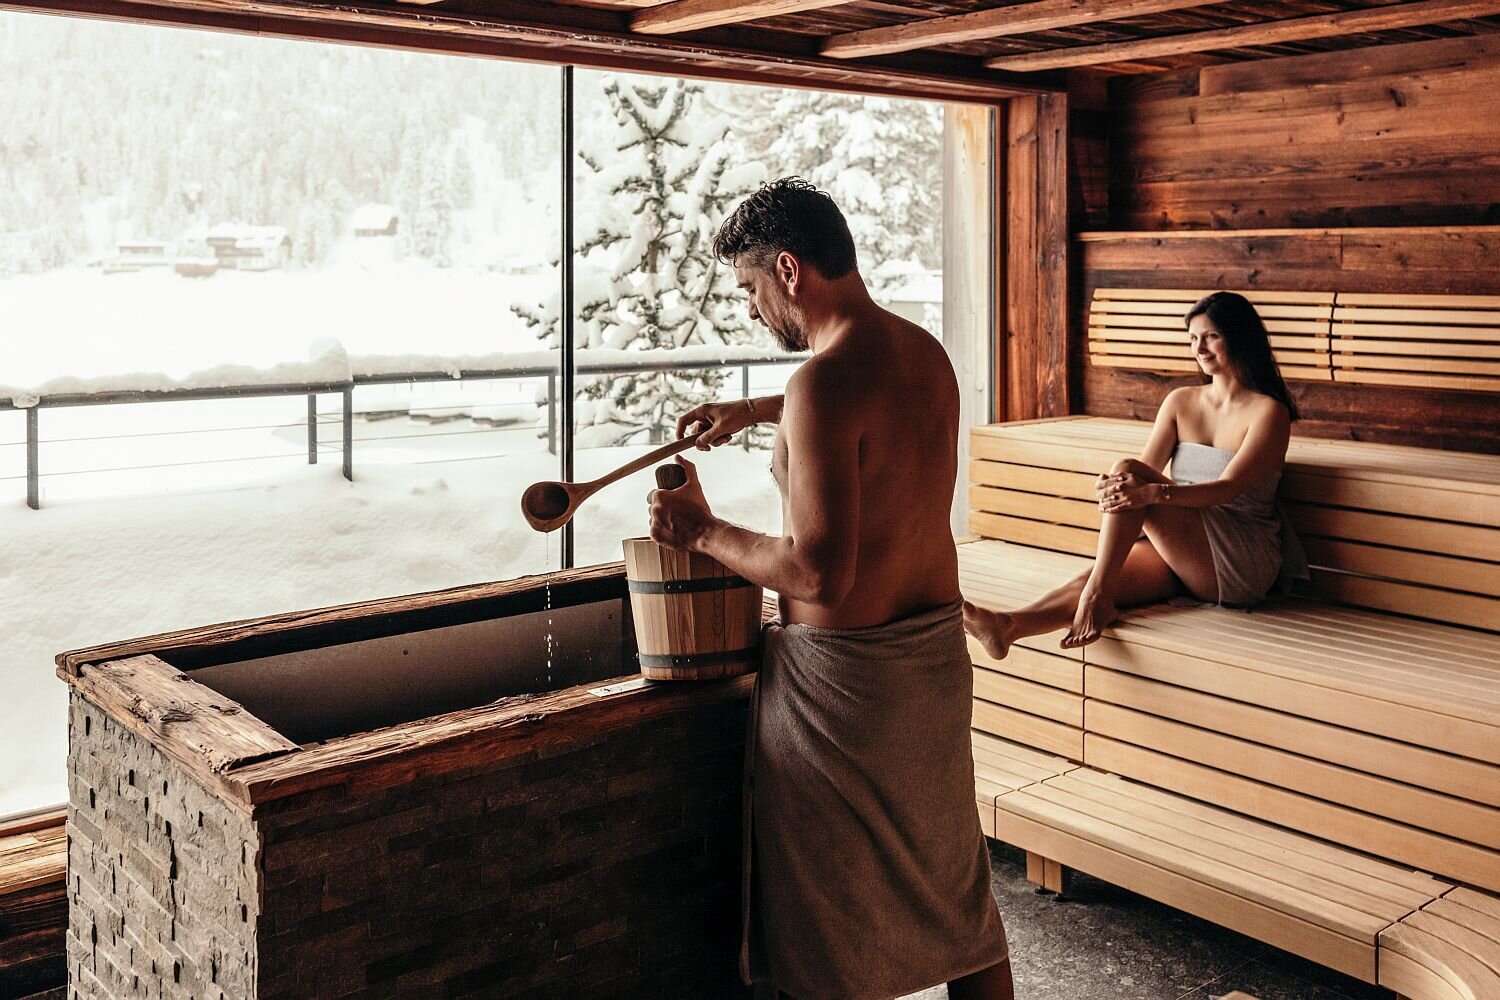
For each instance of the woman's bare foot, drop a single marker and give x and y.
(1095, 613)
(993, 629)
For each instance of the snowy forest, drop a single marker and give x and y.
(112, 132)
(96, 148)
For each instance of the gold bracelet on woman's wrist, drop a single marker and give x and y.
(1166, 493)
(751, 404)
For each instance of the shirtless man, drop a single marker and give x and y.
(866, 460)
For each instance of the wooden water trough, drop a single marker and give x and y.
(463, 791)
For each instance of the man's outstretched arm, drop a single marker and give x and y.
(716, 423)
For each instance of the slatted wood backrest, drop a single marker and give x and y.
(1441, 341)
(1408, 530)
(1143, 328)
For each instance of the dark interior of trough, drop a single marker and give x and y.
(370, 675)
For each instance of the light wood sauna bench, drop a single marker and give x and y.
(1320, 773)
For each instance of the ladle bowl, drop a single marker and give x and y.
(548, 506)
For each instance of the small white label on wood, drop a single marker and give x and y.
(620, 688)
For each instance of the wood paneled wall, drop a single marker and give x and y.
(1373, 170)
(1385, 136)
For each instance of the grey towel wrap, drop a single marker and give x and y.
(866, 872)
(1255, 550)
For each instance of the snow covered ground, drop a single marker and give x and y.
(78, 329)
(115, 555)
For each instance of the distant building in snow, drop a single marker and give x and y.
(374, 220)
(132, 255)
(250, 248)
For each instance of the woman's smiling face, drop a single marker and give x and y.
(1207, 345)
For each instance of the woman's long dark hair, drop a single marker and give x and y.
(1247, 344)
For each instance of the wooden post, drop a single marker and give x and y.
(1047, 875)
(1033, 356)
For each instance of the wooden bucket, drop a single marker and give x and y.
(694, 619)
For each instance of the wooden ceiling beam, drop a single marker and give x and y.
(1296, 29)
(593, 37)
(1040, 15)
(691, 15)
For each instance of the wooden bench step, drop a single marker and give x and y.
(1316, 899)
(33, 857)
(1449, 948)
(33, 900)
(1355, 674)
(1001, 767)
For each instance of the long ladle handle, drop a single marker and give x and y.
(664, 452)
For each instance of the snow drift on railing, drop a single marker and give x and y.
(331, 365)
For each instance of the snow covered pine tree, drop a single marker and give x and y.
(646, 279)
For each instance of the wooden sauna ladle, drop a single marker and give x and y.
(549, 506)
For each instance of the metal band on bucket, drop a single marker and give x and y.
(699, 585)
(698, 659)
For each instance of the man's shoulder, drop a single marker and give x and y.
(824, 372)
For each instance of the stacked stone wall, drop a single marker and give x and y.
(161, 874)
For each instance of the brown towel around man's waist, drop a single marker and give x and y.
(866, 872)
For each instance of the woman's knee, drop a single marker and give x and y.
(1133, 466)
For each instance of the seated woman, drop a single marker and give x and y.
(1211, 530)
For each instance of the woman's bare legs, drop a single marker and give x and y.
(1127, 571)
(993, 983)
(1143, 579)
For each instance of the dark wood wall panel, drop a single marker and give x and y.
(1416, 260)
(1033, 223)
(1369, 170)
(1394, 135)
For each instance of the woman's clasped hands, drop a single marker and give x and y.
(1124, 491)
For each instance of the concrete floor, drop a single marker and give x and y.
(1103, 943)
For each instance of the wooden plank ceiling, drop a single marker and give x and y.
(1035, 36)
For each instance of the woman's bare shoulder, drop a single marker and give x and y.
(1269, 420)
(1181, 398)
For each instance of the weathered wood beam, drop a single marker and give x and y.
(594, 37)
(1041, 15)
(691, 15)
(1296, 29)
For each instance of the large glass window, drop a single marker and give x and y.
(262, 351)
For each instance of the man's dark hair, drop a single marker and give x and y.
(791, 215)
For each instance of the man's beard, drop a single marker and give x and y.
(793, 339)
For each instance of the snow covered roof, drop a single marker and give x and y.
(248, 237)
(373, 216)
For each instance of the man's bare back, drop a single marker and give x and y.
(892, 381)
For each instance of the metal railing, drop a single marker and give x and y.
(345, 389)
